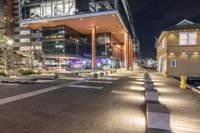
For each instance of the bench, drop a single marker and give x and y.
(158, 117)
(17, 79)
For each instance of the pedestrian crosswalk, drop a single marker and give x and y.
(86, 87)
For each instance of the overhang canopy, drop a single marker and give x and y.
(108, 22)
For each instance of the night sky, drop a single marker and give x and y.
(152, 16)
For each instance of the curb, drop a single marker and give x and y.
(188, 86)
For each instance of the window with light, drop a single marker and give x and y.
(187, 38)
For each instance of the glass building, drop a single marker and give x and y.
(78, 33)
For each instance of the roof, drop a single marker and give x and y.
(184, 25)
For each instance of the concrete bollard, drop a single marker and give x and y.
(95, 75)
(111, 72)
(149, 85)
(106, 73)
(158, 131)
(147, 80)
(102, 74)
(158, 117)
(152, 95)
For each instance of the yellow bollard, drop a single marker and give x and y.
(165, 74)
(183, 84)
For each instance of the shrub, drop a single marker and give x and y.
(27, 72)
(2, 73)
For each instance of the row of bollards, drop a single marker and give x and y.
(101, 74)
(158, 116)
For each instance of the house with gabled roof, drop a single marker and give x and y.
(178, 50)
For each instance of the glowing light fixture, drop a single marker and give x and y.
(10, 42)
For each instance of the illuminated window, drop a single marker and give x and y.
(173, 63)
(24, 32)
(24, 40)
(187, 38)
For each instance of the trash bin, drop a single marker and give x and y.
(183, 84)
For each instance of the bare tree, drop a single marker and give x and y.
(7, 54)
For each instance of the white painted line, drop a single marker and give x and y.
(108, 78)
(86, 87)
(103, 82)
(44, 81)
(121, 92)
(35, 93)
(71, 78)
(8, 84)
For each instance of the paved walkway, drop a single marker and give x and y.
(184, 105)
(113, 104)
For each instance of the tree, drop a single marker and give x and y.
(7, 54)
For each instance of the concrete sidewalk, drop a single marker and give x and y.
(184, 105)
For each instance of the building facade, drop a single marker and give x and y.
(74, 33)
(178, 50)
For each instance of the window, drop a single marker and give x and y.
(173, 63)
(24, 32)
(25, 40)
(187, 38)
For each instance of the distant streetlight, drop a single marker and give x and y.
(10, 42)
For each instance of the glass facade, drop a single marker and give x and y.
(65, 42)
(42, 9)
(62, 40)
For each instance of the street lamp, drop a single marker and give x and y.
(10, 41)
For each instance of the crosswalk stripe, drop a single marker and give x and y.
(108, 78)
(35, 93)
(103, 82)
(8, 84)
(86, 87)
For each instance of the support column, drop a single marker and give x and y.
(130, 54)
(9, 18)
(93, 48)
(126, 51)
